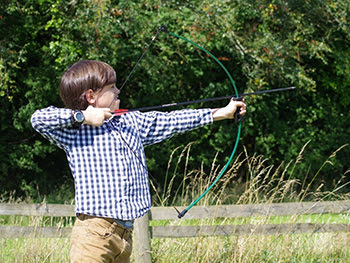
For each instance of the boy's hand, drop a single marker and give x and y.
(96, 116)
(229, 111)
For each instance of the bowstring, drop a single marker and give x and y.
(133, 69)
(144, 52)
(144, 167)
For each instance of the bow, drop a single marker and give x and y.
(237, 117)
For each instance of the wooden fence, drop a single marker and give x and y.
(143, 232)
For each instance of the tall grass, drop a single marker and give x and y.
(263, 183)
(34, 250)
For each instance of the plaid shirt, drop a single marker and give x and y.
(108, 162)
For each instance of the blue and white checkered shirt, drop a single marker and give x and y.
(108, 162)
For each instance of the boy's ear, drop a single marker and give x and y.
(90, 96)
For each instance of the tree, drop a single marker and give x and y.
(264, 44)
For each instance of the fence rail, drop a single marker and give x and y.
(143, 231)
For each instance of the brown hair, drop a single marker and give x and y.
(82, 76)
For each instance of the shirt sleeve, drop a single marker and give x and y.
(157, 126)
(55, 124)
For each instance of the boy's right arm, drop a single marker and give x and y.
(55, 124)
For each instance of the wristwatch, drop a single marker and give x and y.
(78, 118)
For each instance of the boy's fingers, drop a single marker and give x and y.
(107, 112)
(108, 115)
(241, 104)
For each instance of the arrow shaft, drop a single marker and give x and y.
(206, 100)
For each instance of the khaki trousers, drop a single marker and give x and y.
(97, 239)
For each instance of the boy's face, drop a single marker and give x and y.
(107, 98)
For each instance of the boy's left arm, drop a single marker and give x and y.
(155, 127)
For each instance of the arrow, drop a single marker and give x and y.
(240, 96)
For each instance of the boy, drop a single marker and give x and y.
(106, 156)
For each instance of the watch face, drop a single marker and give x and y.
(79, 117)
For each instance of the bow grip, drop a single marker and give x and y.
(238, 116)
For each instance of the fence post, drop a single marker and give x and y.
(141, 240)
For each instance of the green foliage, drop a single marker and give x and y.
(264, 44)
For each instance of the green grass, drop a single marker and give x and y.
(33, 250)
(325, 247)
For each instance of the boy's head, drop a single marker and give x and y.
(83, 76)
